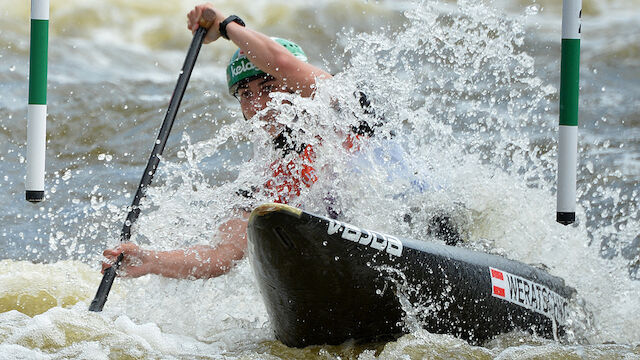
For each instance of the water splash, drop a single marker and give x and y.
(467, 112)
(471, 114)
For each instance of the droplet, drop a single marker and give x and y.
(589, 166)
(532, 10)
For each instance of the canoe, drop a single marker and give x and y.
(325, 282)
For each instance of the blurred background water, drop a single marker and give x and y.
(470, 89)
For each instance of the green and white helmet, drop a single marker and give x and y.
(240, 68)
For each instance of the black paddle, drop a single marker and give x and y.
(208, 16)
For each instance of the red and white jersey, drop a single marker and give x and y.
(288, 179)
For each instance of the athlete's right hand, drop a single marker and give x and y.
(136, 262)
(195, 16)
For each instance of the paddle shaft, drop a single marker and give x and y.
(134, 211)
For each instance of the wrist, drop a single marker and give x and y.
(216, 23)
(229, 22)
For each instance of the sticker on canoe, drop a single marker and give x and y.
(372, 239)
(528, 294)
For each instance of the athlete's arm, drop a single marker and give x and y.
(275, 60)
(197, 262)
(265, 53)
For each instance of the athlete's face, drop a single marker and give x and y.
(254, 96)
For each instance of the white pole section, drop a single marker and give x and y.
(568, 142)
(37, 109)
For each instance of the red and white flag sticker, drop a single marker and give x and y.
(528, 294)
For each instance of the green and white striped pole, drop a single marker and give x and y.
(37, 109)
(568, 142)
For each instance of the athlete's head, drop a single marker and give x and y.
(252, 86)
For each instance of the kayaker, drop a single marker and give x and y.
(261, 66)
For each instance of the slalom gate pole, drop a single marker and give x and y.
(568, 142)
(37, 108)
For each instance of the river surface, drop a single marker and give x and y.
(469, 90)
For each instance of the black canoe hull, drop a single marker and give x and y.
(325, 282)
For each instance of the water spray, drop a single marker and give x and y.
(37, 108)
(568, 142)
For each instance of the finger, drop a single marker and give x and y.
(105, 266)
(129, 248)
(191, 19)
(197, 13)
(131, 272)
(192, 26)
(111, 253)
